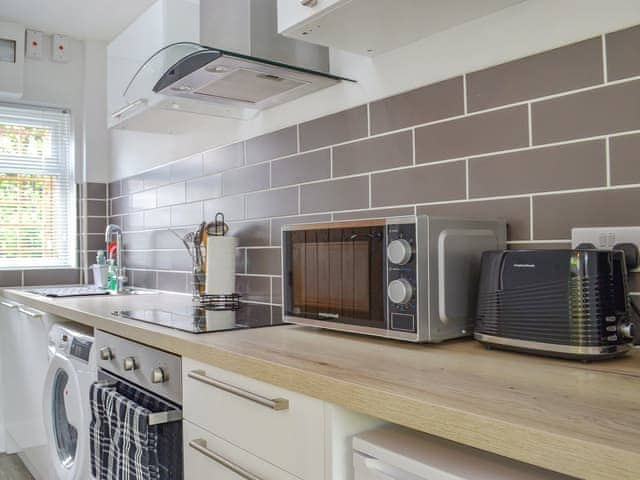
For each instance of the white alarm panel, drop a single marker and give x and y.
(11, 59)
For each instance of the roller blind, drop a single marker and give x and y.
(37, 188)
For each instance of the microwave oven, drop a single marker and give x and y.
(412, 278)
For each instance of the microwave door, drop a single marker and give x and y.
(336, 275)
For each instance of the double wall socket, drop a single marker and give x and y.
(605, 237)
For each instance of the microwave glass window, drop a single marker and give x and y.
(7, 50)
(336, 275)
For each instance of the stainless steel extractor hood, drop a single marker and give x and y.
(233, 79)
(241, 66)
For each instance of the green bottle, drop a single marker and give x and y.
(112, 278)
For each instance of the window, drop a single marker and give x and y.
(37, 189)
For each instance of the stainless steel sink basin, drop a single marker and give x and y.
(136, 291)
(88, 290)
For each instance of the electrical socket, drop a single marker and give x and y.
(605, 237)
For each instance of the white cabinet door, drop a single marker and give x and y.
(24, 367)
(293, 12)
(163, 23)
(209, 457)
(9, 401)
(246, 413)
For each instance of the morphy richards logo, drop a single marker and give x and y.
(524, 265)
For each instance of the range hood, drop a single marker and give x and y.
(239, 82)
(236, 82)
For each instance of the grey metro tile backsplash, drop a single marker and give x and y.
(544, 142)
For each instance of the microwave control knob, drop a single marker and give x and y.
(400, 291)
(627, 330)
(399, 252)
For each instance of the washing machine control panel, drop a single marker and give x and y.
(81, 349)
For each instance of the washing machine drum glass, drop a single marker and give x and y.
(64, 433)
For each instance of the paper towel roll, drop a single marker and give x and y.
(221, 265)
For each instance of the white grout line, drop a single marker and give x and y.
(608, 161)
(331, 162)
(437, 162)
(244, 152)
(530, 125)
(298, 137)
(466, 174)
(464, 93)
(604, 59)
(500, 107)
(516, 242)
(421, 204)
(413, 145)
(531, 217)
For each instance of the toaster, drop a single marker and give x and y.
(564, 303)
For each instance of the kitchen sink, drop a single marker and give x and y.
(87, 291)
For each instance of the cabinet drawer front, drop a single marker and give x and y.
(281, 427)
(207, 456)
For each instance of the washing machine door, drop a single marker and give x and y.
(66, 420)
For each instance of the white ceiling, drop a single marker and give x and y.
(81, 19)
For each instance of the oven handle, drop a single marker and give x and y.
(273, 403)
(200, 445)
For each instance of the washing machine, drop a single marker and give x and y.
(67, 413)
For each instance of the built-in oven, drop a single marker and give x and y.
(136, 409)
(411, 278)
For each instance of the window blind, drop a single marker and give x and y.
(37, 188)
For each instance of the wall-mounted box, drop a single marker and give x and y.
(34, 44)
(11, 60)
(60, 49)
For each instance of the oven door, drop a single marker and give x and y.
(335, 274)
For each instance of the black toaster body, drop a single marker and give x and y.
(567, 303)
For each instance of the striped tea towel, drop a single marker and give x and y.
(123, 445)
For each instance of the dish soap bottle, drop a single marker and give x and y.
(112, 277)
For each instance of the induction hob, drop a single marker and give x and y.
(193, 319)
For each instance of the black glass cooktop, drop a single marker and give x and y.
(193, 319)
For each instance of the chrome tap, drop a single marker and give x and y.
(119, 267)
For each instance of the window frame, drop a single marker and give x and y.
(60, 122)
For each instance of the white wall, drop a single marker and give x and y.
(518, 31)
(80, 86)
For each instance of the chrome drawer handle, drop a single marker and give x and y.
(8, 304)
(273, 403)
(200, 445)
(29, 312)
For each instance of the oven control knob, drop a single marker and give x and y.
(106, 354)
(129, 364)
(158, 375)
(400, 291)
(399, 252)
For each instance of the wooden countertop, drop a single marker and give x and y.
(578, 419)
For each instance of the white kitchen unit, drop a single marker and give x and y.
(395, 453)
(233, 422)
(164, 23)
(371, 27)
(208, 456)
(24, 367)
